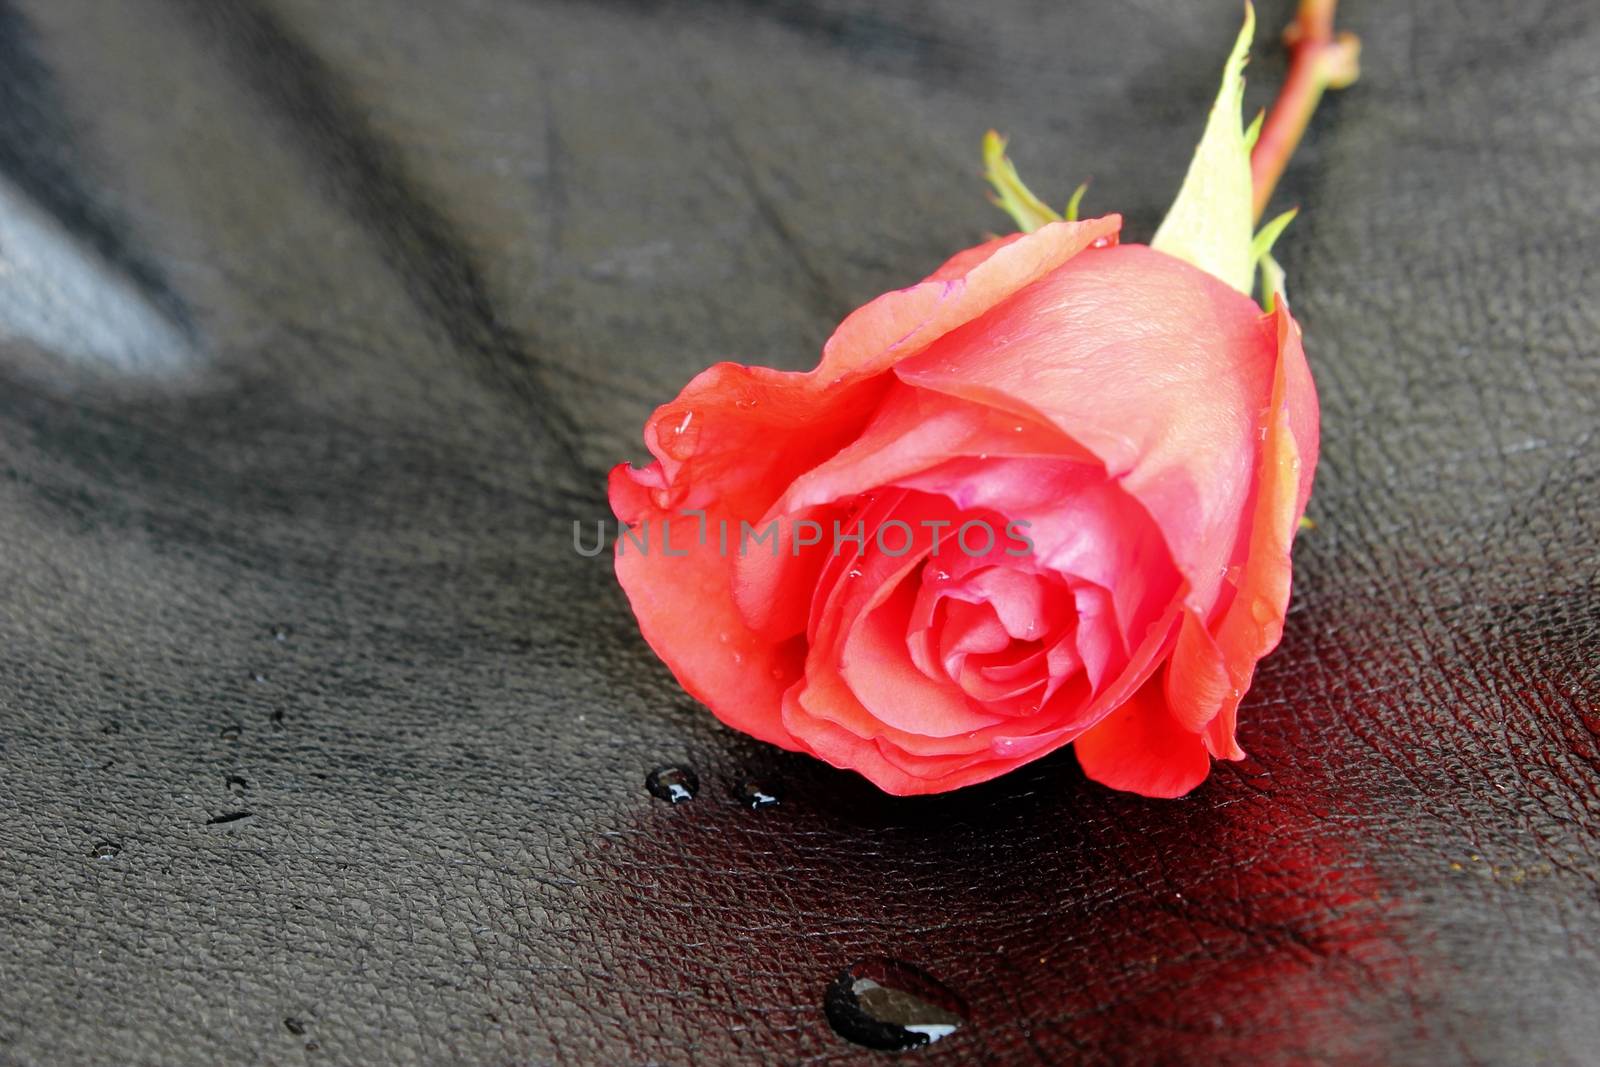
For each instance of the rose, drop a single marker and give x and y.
(1152, 431)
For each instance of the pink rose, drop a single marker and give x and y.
(1136, 437)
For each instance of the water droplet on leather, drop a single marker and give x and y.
(754, 793)
(673, 784)
(236, 785)
(106, 850)
(230, 733)
(890, 1005)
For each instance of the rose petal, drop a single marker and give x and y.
(896, 325)
(875, 665)
(1156, 367)
(1210, 671)
(1142, 748)
(686, 613)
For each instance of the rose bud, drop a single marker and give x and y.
(1046, 495)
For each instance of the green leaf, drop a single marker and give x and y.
(1209, 223)
(1010, 195)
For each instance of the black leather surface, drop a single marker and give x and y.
(322, 322)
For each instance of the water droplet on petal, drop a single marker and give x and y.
(853, 572)
(753, 793)
(673, 784)
(105, 850)
(681, 437)
(889, 1005)
(1100, 242)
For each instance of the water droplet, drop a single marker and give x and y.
(941, 576)
(236, 785)
(230, 732)
(853, 572)
(673, 784)
(280, 633)
(106, 850)
(232, 816)
(754, 793)
(745, 402)
(890, 1005)
(1100, 242)
(682, 437)
(294, 1026)
(259, 678)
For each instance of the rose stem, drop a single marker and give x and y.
(1318, 60)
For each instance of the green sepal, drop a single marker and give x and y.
(1273, 283)
(1010, 195)
(1268, 235)
(1209, 223)
(1252, 132)
(1071, 214)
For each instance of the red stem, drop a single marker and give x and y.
(1319, 60)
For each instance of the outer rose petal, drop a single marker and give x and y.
(1142, 748)
(897, 325)
(1210, 670)
(685, 610)
(737, 436)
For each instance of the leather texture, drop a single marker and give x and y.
(320, 324)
